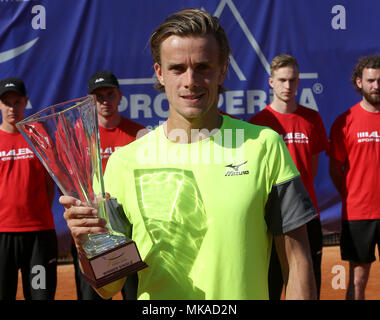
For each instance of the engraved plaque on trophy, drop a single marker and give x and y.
(65, 137)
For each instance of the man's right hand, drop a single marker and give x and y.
(81, 220)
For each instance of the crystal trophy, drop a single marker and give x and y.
(65, 138)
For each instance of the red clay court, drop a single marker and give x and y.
(330, 258)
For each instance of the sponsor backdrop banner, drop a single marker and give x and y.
(54, 46)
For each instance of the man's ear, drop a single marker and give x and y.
(359, 82)
(270, 81)
(158, 70)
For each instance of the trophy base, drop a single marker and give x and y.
(111, 265)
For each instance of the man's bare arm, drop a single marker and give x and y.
(297, 268)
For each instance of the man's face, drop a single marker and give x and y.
(12, 107)
(107, 101)
(370, 85)
(284, 82)
(191, 72)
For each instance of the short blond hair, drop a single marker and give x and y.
(281, 61)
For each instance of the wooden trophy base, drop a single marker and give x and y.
(111, 265)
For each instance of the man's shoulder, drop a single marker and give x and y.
(260, 116)
(3, 136)
(307, 111)
(146, 137)
(348, 115)
(309, 117)
(233, 123)
(130, 124)
(7, 138)
(253, 132)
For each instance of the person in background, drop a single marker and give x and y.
(115, 131)
(28, 240)
(305, 136)
(354, 158)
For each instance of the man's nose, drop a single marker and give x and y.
(287, 84)
(190, 79)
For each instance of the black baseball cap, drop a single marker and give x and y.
(12, 84)
(102, 78)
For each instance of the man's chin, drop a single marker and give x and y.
(107, 114)
(287, 98)
(372, 99)
(194, 113)
(13, 121)
(374, 102)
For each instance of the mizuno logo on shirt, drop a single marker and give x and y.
(236, 170)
